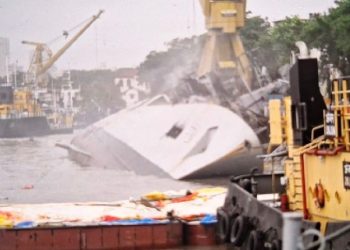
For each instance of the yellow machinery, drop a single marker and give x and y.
(223, 49)
(21, 104)
(41, 54)
(24, 102)
(307, 169)
(21, 114)
(317, 174)
(40, 64)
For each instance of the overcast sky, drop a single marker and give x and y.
(125, 33)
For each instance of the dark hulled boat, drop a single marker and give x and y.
(22, 116)
(24, 127)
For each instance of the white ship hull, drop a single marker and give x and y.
(182, 141)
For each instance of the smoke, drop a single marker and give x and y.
(166, 71)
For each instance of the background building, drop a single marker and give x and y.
(131, 90)
(4, 55)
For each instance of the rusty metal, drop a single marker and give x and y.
(156, 236)
(200, 235)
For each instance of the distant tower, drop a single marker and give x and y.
(4, 55)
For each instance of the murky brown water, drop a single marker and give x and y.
(36, 171)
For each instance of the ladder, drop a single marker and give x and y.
(341, 97)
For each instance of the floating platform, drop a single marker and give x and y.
(156, 236)
(158, 220)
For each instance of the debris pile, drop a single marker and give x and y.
(198, 206)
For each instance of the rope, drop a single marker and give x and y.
(194, 29)
(321, 242)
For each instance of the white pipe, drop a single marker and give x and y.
(291, 230)
(304, 53)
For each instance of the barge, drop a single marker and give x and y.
(155, 221)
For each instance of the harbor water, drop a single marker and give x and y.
(34, 170)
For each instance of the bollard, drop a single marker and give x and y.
(291, 230)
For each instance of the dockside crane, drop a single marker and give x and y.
(223, 49)
(41, 62)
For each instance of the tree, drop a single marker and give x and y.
(284, 35)
(267, 45)
(339, 20)
(270, 46)
(255, 29)
(257, 40)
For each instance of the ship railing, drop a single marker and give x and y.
(20, 114)
(159, 99)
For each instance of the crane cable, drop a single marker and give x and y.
(191, 18)
(66, 32)
(194, 29)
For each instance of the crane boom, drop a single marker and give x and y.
(59, 53)
(38, 56)
(38, 66)
(223, 48)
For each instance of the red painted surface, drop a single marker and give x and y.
(143, 237)
(127, 237)
(43, 239)
(105, 237)
(284, 203)
(110, 237)
(65, 238)
(91, 238)
(26, 240)
(8, 240)
(305, 209)
(160, 236)
(175, 235)
(200, 235)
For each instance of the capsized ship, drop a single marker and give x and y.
(182, 140)
(191, 140)
(194, 138)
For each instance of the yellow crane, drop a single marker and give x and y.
(39, 64)
(223, 48)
